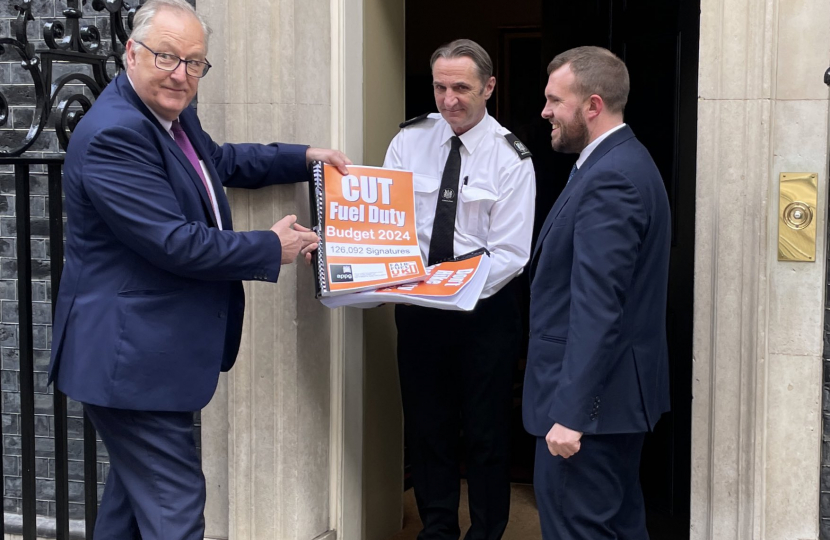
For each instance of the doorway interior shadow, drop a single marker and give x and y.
(659, 41)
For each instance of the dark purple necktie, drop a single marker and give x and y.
(184, 144)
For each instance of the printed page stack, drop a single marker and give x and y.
(453, 285)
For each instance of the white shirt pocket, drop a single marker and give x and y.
(473, 215)
(426, 195)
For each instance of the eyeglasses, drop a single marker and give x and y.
(171, 62)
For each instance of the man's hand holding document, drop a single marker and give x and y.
(368, 250)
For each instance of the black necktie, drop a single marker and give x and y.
(443, 227)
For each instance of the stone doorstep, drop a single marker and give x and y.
(45, 527)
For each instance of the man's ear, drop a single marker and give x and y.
(595, 106)
(130, 54)
(489, 87)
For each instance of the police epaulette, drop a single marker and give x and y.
(414, 120)
(518, 146)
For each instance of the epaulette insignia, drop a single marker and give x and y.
(518, 146)
(414, 120)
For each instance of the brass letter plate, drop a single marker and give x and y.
(797, 216)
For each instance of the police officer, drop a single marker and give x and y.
(474, 188)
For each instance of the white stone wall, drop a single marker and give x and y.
(763, 109)
(266, 436)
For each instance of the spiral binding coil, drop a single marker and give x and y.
(319, 203)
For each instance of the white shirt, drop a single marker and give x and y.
(168, 127)
(496, 191)
(583, 156)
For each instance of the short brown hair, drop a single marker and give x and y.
(466, 48)
(596, 71)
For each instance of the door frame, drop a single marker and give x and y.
(346, 454)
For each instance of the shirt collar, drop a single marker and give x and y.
(586, 152)
(166, 124)
(471, 137)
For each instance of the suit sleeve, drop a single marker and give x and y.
(609, 226)
(125, 180)
(253, 166)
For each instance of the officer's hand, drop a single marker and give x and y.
(295, 239)
(563, 441)
(332, 157)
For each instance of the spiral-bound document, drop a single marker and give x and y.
(452, 285)
(366, 225)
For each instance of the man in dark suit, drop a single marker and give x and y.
(597, 373)
(151, 301)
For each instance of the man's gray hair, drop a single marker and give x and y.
(143, 20)
(466, 48)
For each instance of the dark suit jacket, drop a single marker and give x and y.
(597, 358)
(151, 302)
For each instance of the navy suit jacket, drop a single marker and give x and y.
(151, 301)
(597, 357)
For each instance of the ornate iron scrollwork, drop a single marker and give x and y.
(29, 62)
(68, 43)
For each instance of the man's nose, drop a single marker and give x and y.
(180, 73)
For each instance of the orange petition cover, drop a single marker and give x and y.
(443, 280)
(453, 285)
(366, 224)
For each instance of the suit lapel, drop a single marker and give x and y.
(193, 176)
(560, 202)
(197, 142)
(615, 139)
(127, 92)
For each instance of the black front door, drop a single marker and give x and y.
(658, 40)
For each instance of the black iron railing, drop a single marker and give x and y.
(64, 98)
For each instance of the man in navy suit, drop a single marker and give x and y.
(597, 372)
(151, 302)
